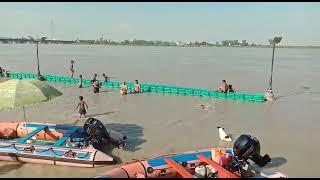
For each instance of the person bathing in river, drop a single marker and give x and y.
(123, 88)
(94, 79)
(205, 107)
(72, 68)
(80, 81)
(106, 78)
(223, 87)
(82, 110)
(137, 88)
(231, 89)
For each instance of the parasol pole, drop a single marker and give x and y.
(25, 119)
(40, 77)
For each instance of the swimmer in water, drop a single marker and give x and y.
(205, 107)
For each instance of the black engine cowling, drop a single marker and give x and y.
(99, 136)
(248, 147)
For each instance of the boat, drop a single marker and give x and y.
(206, 163)
(46, 143)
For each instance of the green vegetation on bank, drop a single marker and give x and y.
(225, 43)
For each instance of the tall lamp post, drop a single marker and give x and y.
(269, 95)
(40, 77)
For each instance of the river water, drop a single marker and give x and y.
(288, 128)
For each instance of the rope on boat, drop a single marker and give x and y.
(32, 148)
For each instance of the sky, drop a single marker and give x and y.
(297, 22)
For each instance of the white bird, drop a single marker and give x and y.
(223, 135)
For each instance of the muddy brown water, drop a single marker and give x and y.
(288, 129)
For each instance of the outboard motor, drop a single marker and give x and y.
(99, 136)
(247, 147)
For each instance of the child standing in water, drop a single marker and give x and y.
(82, 109)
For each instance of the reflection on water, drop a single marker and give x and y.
(156, 123)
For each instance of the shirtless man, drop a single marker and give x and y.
(72, 68)
(123, 88)
(137, 88)
(223, 87)
(82, 104)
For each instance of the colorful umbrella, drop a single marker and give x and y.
(20, 93)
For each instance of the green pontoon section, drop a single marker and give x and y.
(150, 88)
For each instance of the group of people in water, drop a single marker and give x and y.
(4, 72)
(225, 88)
(96, 84)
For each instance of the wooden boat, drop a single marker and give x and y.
(55, 144)
(183, 165)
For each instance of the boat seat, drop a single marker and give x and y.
(222, 173)
(179, 168)
(65, 137)
(30, 135)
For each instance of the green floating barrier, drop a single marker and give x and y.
(213, 94)
(145, 88)
(160, 89)
(222, 95)
(249, 97)
(239, 97)
(258, 98)
(116, 85)
(167, 89)
(197, 92)
(174, 90)
(86, 82)
(189, 91)
(231, 96)
(153, 88)
(107, 84)
(182, 91)
(12, 75)
(148, 88)
(205, 93)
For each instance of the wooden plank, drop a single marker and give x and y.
(30, 135)
(65, 137)
(179, 168)
(222, 172)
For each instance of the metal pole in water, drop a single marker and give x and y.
(270, 81)
(38, 60)
(269, 95)
(38, 64)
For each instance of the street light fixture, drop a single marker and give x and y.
(269, 94)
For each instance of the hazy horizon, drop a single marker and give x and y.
(170, 21)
